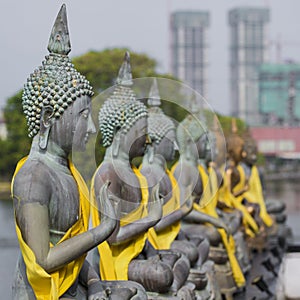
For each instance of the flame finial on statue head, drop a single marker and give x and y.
(154, 96)
(59, 41)
(56, 84)
(234, 128)
(125, 75)
(158, 123)
(194, 106)
(121, 109)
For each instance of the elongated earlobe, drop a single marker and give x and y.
(188, 149)
(150, 150)
(45, 126)
(116, 145)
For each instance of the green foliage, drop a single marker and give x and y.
(17, 143)
(101, 68)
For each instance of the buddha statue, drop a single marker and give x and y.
(51, 200)
(123, 125)
(162, 236)
(191, 140)
(189, 134)
(215, 159)
(276, 208)
(231, 191)
(249, 173)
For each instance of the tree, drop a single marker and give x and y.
(17, 143)
(101, 68)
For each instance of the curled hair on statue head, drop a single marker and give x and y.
(121, 110)
(56, 83)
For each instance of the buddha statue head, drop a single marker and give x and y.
(122, 118)
(235, 144)
(217, 152)
(56, 98)
(161, 128)
(249, 149)
(191, 136)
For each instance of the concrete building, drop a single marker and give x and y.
(279, 94)
(189, 45)
(248, 50)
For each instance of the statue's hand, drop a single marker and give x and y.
(108, 204)
(155, 204)
(96, 291)
(226, 228)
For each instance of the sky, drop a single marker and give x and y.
(140, 25)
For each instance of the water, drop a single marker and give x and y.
(287, 191)
(8, 248)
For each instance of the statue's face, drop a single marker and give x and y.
(136, 138)
(166, 145)
(72, 130)
(202, 145)
(236, 154)
(250, 154)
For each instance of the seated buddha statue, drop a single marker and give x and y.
(51, 200)
(231, 191)
(190, 138)
(123, 125)
(249, 175)
(190, 134)
(215, 159)
(162, 134)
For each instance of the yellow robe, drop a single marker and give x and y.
(115, 259)
(53, 285)
(210, 198)
(255, 193)
(163, 239)
(227, 197)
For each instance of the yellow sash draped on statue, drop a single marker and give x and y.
(249, 223)
(115, 259)
(53, 285)
(163, 239)
(210, 198)
(255, 194)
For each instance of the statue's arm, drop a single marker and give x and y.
(132, 230)
(169, 220)
(88, 275)
(230, 173)
(33, 220)
(177, 214)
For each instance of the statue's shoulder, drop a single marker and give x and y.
(31, 180)
(106, 172)
(106, 169)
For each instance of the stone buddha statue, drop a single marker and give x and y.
(191, 141)
(161, 149)
(123, 124)
(231, 191)
(51, 200)
(215, 159)
(190, 132)
(249, 173)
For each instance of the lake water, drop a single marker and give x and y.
(287, 191)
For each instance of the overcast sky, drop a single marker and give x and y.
(141, 25)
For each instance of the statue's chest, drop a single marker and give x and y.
(235, 177)
(165, 186)
(198, 187)
(130, 193)
(64, 203)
